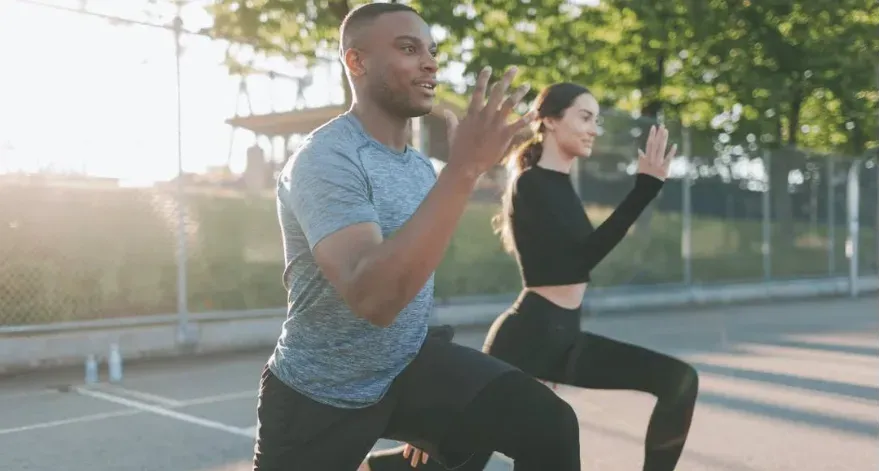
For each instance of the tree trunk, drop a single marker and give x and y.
(651, 81)
(341, 8)
(786, 159)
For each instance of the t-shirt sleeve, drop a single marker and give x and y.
(326, 191)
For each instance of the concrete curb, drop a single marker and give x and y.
(225, 332)
(622, 300)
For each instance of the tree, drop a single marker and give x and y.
(290, 29)
(784, 63)
(310, 28)
(803, 72)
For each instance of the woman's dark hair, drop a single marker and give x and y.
(551, 102)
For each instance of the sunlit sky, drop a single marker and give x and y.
(84, 95)
(81, 94)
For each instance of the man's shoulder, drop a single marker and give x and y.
(333, 144)
(425, 161)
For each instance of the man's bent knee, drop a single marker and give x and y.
(558, 428)
(525, 420)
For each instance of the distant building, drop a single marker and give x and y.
(430, 137)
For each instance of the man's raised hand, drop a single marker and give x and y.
(479, 141)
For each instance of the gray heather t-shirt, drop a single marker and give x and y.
(341, 176)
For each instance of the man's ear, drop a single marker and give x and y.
(354, 60)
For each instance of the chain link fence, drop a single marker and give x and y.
(731, 212)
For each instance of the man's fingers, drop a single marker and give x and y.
(415, 459)
(521, 123)
(499, 89)
(477, 101)
(425, 457)
(452, 122)
(509, 104)
(407, 450)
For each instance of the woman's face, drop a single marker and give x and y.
(575, 131)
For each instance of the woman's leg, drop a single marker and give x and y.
(597, 362)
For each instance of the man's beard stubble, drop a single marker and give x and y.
(395, 103)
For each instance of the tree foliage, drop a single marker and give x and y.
(794, 72)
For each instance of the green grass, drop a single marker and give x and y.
(722, 251)
(74, 254)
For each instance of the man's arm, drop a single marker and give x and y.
(377, 278)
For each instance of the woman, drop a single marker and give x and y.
(544, 225)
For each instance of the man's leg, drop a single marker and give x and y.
(295, 433)
(460, 405)
(522, 419)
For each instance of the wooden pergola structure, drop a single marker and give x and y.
(431, 136)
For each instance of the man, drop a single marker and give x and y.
(365, 222)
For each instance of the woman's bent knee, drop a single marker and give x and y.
(688, 382)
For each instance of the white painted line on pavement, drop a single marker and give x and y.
(73, 420)
(251, 394)
(165, 412)
(164, 401)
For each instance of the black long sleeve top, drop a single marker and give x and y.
(555, 242)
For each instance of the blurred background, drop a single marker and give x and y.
(139, 150)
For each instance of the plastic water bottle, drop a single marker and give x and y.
(91, 369)
(114, 364)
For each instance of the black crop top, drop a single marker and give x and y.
(555, 242)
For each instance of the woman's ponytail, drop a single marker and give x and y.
(525, 156)
(528, 154)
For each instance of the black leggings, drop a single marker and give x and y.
(545, 341)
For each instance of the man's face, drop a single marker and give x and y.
(400, 64)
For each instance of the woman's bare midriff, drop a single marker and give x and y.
(566, 296)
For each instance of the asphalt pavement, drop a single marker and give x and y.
(784, 387)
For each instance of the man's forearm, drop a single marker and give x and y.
(388, 277)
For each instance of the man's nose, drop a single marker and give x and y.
(430, 64)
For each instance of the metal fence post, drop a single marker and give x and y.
(183, 318)
(853, 191)
(831, 216)
(878, 193)
(767, 217)
(686, 231)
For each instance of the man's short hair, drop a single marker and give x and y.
(362, 16)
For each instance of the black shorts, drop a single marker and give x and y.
(295, 433)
